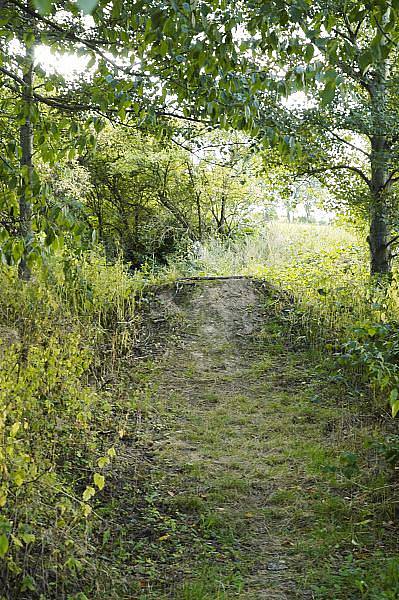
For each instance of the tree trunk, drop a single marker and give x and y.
(222, 219)
(380, 249)
(380, 186)
(26, 143)
(197, 195)
(199, 215)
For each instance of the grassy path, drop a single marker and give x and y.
(247, 497)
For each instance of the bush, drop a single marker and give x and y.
(55, 334)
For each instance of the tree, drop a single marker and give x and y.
(36, 105)
(141, 195)
(227, 194)
(228, 64)
(146, 196)
(142, 65)
(344, 54)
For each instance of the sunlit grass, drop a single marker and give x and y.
(331, 304)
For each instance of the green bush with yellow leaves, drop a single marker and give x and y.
(59, 336)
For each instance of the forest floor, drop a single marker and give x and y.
(232, 482)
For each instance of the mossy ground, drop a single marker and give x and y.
(249, 471)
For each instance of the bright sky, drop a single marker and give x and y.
(67, 65)
(299, 211)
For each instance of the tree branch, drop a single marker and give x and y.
(339, 138)
(55, 26)
(356, 170)
(384, 33)
(392, 241)
(391, 179)
(49, 101)
(69, 35)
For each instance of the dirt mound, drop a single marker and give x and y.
(218, 309)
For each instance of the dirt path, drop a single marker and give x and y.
(227, 380)
(237, 426)
(225, 387)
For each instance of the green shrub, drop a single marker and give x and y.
(59, 334)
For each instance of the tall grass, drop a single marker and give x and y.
(323, 267)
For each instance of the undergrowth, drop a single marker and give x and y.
(62, 410)
(66, 399)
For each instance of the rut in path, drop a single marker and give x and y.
(230, 434)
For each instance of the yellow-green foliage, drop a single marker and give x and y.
(325, 269)
(58, 335)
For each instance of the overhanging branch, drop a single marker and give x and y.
(344, 141)
(72, 37)
(356, 170)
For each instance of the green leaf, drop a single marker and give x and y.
(394, 402)
(309, 52)
(17, 250)
(3, 545)
(103, 461)
(395, 408)
(88, 493)
(365, 59)
(327, 95)
(91, 62)
(28, 538)
(18, 478)
(28, 583)
(29, 38)
(43, 6)
(15, 428)
(99, 481)
(87, 6)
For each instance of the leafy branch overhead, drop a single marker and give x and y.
(45, 6)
